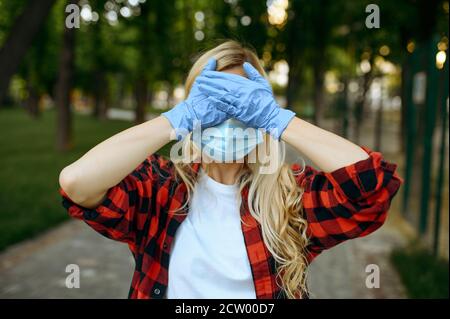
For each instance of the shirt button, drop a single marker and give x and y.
(157, 291)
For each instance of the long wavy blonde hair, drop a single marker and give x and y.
(274, 200)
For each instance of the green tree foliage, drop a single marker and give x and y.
(153, 45)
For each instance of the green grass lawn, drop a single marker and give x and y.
(30, 165)
(423, 275)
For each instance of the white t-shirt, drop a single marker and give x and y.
(209, 257)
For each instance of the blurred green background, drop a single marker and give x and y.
(63, 90)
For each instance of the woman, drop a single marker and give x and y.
(222, 226)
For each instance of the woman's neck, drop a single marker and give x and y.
(224, 173)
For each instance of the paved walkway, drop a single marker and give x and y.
(37, 268)
(341, 271)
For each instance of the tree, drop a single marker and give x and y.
(19, 40)
(63, 88)
(322, 21)
(40, 64)
(101, 64)
(294, 41)
(144, 45)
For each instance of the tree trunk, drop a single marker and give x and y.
(63, 86)
(292, 89)
(19, 40)
(360, 106)
(320, 13)
(405, 73)
(142, 79)
(293, 85)
(294, 43)
(379, 122)
(405, 77)
(318, 94)
(141, 100)
(343, 105)
(100, 85)
(32, 103)
(100, 96)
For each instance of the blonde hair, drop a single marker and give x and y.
(274, 200)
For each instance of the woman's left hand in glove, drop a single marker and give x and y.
(249, 100)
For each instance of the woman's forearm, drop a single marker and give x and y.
(87, 180)
(327, 150)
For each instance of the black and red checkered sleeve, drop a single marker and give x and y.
(349, 202)
(123, 213)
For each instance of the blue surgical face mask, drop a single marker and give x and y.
(228, 141)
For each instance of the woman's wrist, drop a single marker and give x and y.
(168, 131)
(291, 130)
(280, 122)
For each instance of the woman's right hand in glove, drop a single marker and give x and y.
(198, 107)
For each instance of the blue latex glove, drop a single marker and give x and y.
(197, 107)
(251, 100)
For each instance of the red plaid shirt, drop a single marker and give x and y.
(347, 203)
